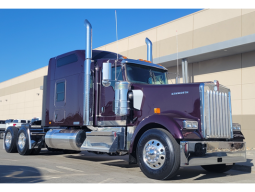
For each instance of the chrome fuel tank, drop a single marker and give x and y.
(71, 139)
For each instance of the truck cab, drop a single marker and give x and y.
(103, 102)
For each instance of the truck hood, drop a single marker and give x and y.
(176, 100)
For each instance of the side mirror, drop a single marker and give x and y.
(107, 74)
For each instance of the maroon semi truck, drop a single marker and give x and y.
(102, 102)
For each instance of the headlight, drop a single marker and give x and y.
(190, 124)
(236, 127)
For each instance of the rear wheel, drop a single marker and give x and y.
(23, 143)
(158, 154)
(10, 138)
(220, 168)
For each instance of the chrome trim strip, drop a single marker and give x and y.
(112, 123)
(201, 90)
(143, 63)
(29, 138)
(230, 114)
(87, 65)
(216, 152)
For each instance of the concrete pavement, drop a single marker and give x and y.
(48, 167)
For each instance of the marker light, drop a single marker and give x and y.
(124, 57)
(14, 124)
(156, 110)
(140, 59)
(49, 122)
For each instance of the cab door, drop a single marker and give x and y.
(106, 115)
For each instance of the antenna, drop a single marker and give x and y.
(177, 77)
(117, 45)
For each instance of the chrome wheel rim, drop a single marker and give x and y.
(154, 154)
(22, 140)
(8, 140)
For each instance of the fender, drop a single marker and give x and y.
(162, 119)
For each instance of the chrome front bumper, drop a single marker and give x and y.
(194, 153)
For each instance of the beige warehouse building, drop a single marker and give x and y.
(218, 44)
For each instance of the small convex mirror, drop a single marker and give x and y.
(107, 74)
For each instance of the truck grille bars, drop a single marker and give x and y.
(215, 108)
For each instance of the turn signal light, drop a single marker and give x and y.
(124, 57)
(49, 122)
(156, 110)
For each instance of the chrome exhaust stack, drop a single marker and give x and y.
(87, 65)
(149, 49)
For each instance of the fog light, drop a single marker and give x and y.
(236, 127)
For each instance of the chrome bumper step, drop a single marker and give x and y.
(194, 153)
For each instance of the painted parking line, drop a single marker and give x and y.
(69, 169)
(8, 160)
(104, 181)
(49, 170)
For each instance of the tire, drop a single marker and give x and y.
(10, 139)
(219, 168)
(23, 143)
(158, 154)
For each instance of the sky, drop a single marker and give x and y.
(30, 37)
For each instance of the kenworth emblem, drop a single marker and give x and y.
(180, 93)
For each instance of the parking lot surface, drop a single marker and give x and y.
(56, 167)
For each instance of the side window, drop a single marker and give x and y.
(23, 121)
(119, 75)
(60, 91)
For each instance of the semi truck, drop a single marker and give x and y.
(103, 102)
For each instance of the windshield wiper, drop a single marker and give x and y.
(152, 77)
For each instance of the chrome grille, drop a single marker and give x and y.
(216, 116)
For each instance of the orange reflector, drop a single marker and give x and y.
(124, 57)
(49, 122)
(156, 110)
(140, 59)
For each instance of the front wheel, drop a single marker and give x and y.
(220, 168)
(158, 154)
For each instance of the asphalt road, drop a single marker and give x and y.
(49, 167)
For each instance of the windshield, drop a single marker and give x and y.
(143, 74)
